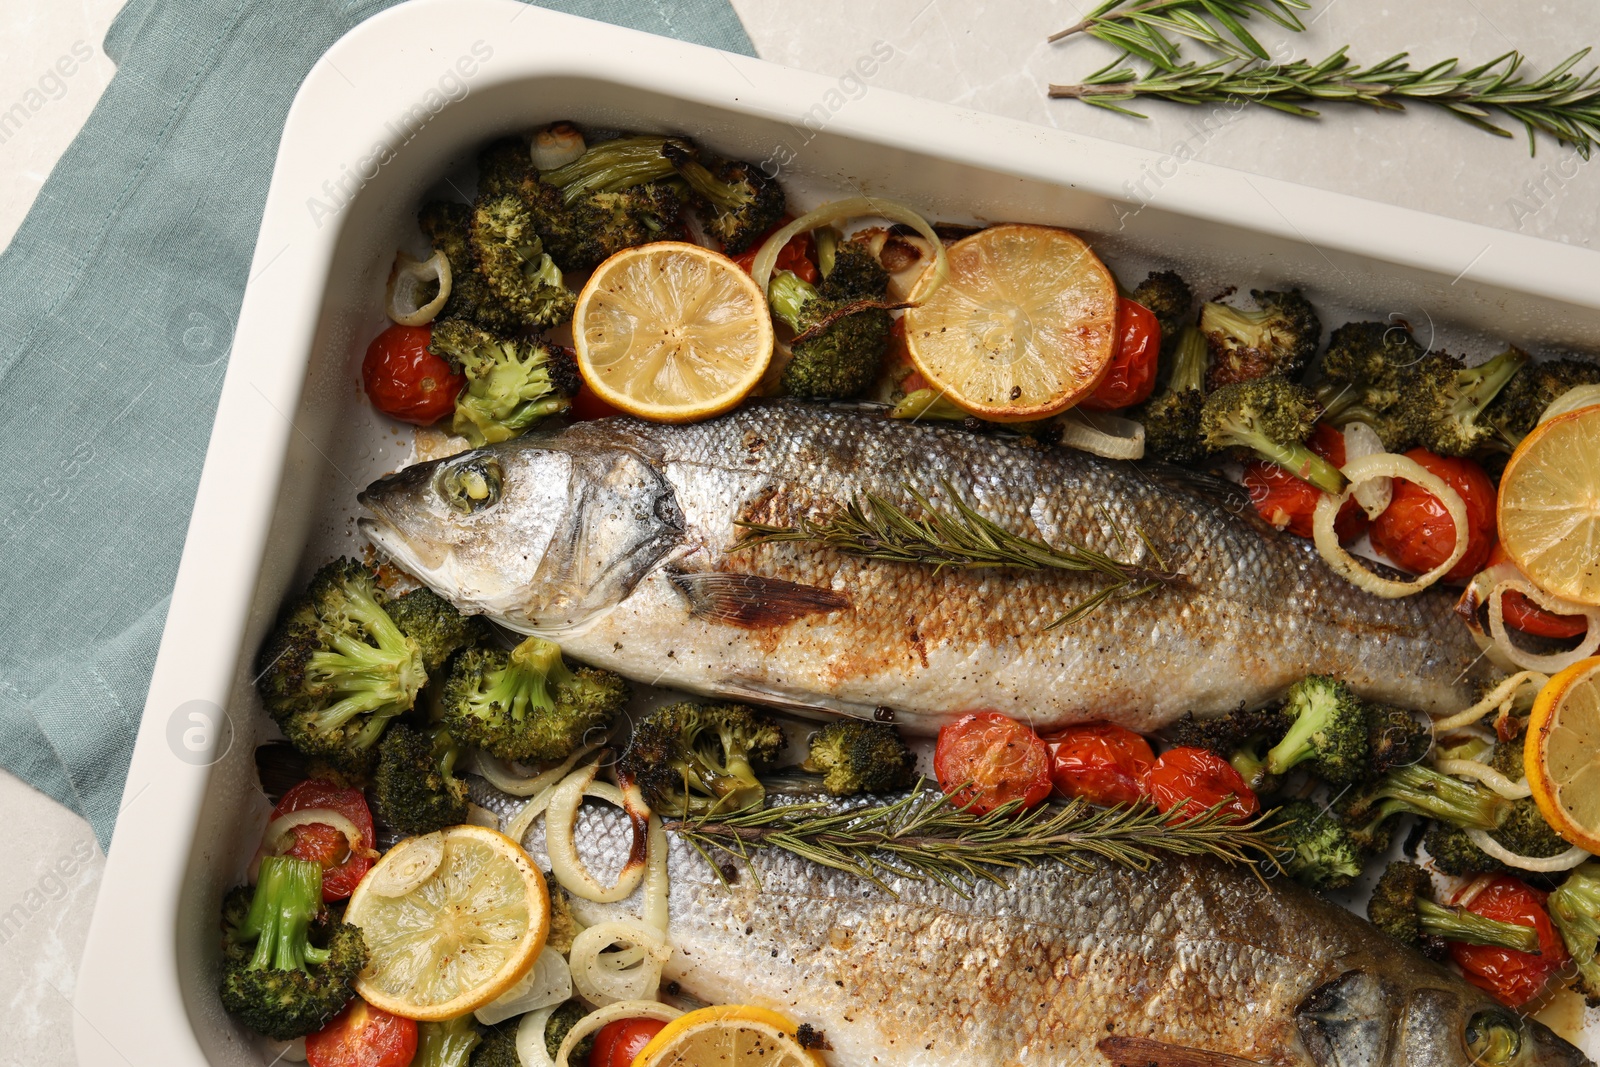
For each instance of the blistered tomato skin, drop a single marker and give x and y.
(617, 1043)
(1289, 503)
(363, 1036)
(325, 846)
(1131, 377)
(1186, 782)
(1100, 762)
(1511, 977)
(1417, 534)
(1520, 613)
(987, 759)
(406, 381)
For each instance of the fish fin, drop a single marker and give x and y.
(1148, 1052)
(752, 600)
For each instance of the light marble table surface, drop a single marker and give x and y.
(983, 55)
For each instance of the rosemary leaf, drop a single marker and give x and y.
(876, 528)
(1560, 104)
(1142, 27)
(926, 836)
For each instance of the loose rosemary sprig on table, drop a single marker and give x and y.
(876, 528)
(1563, 104)
(926, 835)
(1141, 27)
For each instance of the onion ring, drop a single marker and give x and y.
(1366, 468)
(547, 984)
(278, 835)
(1563, 862)
(851, 208)
(504, 780)
(1534, 661)
(530, 1038)
(604, 978)
(1361, 440)
(406, 281)
(656, 882)
(1579, 396)
(1482, 772)
(622, 1009)
(1102, 434)
(1501, 694)
(565, 863)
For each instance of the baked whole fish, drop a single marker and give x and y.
(1061, 967)
(617, 538)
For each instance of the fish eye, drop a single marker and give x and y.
(470, 485)
(1493, 1038)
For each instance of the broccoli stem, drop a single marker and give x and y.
(728, 197)
(1483, 383)
(1424, 791)
(534, 668)
(1297, 459)
(1458, 924)
(288, 896)
(737, 787)
(610, 167)
(788, 294)
(1189, 361)
(1575, 909)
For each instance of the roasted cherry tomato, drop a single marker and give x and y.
(1186, 782)
(363, 1036)
(407, 382)
(1100, 762)
(1511, 977)
(1001, 758)
(1132, 375)
(1415, 532)
(586, 405)
(618, 1043)
(1288, 502)
(342, 868)
(1520, 613)
(798, 255)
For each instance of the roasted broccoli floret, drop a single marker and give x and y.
(448, 228)
(1523, 830)
(1403, 907)
(503, 166)
(1327, 732)
(336, 668)
(1172, 417)
(1242, 737)
(513, 262)
(737, 202)
(854, 274)
(498, 1047)
(1394, 738)
(1516, 409)
(860, 757)
(1453, 852)
(287, 964)
(1362, 373)
(1441, 400)
(447, 1044)
(1171, 301)
(1270, 418)
(693, 759)
(430, 620)
(512, 386)
(581, 235)
(839, 352)
(1321, 852)
(1418, 790)
(1279, 338)
(415, 785)
(1575, 908)
(527, 704)
(562, 1020)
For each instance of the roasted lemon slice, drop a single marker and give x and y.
(457, 937)
(1550, 506)
(731, 1035)
(671, 332)
(1024, 326)
(1562, 753)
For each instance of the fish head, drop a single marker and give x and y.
(543, 534)
(1363, 1020)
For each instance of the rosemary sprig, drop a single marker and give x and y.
(1141, 27)
(1561, 103)
(926, 835)
(876, 528)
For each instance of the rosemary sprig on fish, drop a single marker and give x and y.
(960, 537)
(925, 835)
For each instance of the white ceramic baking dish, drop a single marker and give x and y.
(390, 116)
